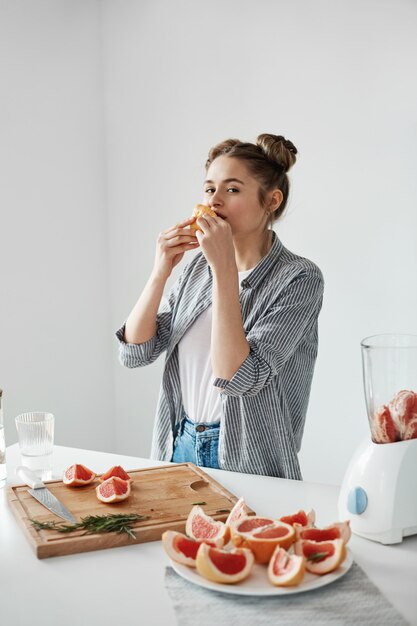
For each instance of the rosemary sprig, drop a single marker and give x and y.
(195, 503)
(95, 524)
(223, 511)
(317, 556)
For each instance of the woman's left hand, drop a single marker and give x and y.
(216, 243)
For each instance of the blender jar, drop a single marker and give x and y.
(390, 382)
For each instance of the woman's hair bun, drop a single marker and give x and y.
(278, 149)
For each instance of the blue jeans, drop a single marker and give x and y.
(197, 443)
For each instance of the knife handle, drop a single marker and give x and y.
(29, 477)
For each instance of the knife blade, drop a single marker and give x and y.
(43, 495)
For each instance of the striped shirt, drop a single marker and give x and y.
(264, 404)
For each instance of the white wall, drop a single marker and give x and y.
(55, 352)
(336, 77)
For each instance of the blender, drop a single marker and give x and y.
(379, 490)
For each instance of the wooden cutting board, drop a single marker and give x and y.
(167, 494)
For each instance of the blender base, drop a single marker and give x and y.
(378, 493)
(389, 537)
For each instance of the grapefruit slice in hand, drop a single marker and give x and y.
(181, 548)
(202, 526)
(78, 476)
(199, 211)
(285, 570)
(113, 489)
(223, 566)
(321, 557)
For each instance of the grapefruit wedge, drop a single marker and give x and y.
(239, 510)
(339, 530)
(321, 557)
(202, 526)
(181, 548)
(223, 566)
(301, 517)
(78, 475)
(116, 470)
(113, 489)
(285, 570)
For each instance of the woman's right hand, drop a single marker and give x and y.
(171, 246)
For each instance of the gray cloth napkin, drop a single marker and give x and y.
(353, 599)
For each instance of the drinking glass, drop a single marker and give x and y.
(36, 441)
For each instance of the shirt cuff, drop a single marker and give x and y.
(248, 378)
(220, 382)
(135, 354)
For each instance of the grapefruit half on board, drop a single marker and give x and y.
(78, 475)
(113, 489)
(116, 470)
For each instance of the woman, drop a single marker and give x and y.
(239, 326)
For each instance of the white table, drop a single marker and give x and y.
(126, 585)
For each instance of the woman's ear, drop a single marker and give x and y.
(276, 199)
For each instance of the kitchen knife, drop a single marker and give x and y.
(43, 495)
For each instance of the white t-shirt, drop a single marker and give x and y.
(201, 400)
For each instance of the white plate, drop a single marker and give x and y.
(257, 584)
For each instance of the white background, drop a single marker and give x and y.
(107, 112)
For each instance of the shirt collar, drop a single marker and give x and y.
(262, 269)
(264, 266)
